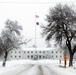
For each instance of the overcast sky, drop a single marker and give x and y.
(24, 12)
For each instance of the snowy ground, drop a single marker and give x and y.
(40, 67)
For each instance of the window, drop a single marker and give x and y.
(15, 51)
(43, 56)
(31, 56)
(15, 56)
(47, 51)
(19, 56)
(36, 51)
(56, 51)
(43, 51)
(39, 56)
(28, 51)
(19, 52)
(31, 51)
(39, 51)
(11, 51)
(52, 51)
(56, 56)
(28, 56)
(52, 56)
(24, 52)
(11, 56)
(60, 51)
(60, 56)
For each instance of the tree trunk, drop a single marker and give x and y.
(71, 60)
(5, 58)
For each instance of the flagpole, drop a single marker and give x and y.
(36, 23)
(35, 37)
(35, 31)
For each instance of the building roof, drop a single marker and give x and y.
(38, 49)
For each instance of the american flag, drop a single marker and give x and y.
(37, 22)
(36, 16)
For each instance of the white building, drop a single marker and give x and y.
(39, 53)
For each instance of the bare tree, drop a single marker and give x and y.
(62, 25)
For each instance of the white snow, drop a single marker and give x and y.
(16, 67)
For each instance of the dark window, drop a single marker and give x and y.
(19, 52)
(43, 56)
(43, 51)
(15, 51)
(19, 56)
(56, 56)
(11, 51)
(28, 56)
(60, 51)
(24, 52)
(52, 55)
(15, 56)
(36, 51)
(39, 56)
(11, 56)
(31, 56)
(28, 51)
(39, 51)
(52, 51)
(31, 51)
(60, 56)
(56, 51)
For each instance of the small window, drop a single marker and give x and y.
(56, 51)
(52, 56)
(15, 52)
(11, 51)
(43, 56)
(31, 51)
(31, 56)
(28, 51)
(56, 56)
(60, 51)
(39, 51)
(15, 56)
(28, 56)
(19, 52)
(36, 51)
(19, 56)
(11, 56)
(24, 52)
(43, 51)
(60, 56)
(52, 51)
(39, 56)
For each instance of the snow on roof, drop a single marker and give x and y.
(38, 49)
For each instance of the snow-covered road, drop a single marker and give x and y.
(31, 69)
(41, 67)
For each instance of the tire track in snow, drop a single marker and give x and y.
(40, 71)
(45, 70)
(51, 71)
(32, 71)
